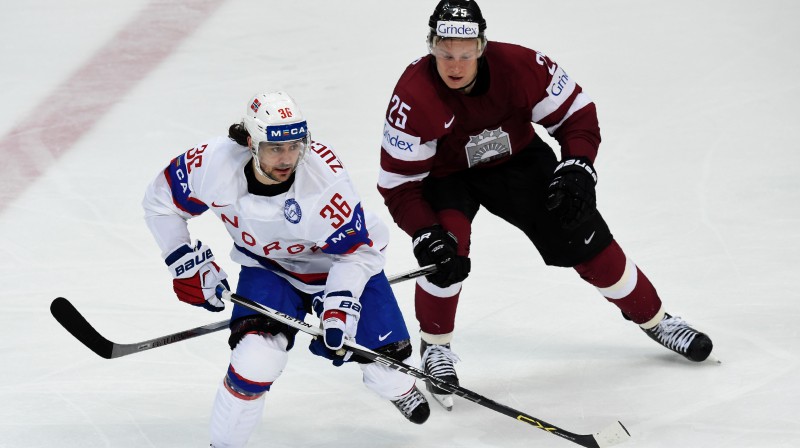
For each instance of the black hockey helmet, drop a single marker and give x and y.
(457, 19)
(466, 11)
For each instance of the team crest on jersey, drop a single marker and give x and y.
(291, 211)
(488, 145)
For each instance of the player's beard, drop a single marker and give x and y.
(278, 173)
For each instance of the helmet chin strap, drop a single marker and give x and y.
(468, 86)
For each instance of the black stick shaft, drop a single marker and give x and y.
(73, 321)
(610, 436)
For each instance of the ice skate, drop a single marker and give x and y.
(413, 406)
(675, 334)
(438, 361)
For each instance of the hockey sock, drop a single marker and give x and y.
(622, 283)
(233, 419)
(386, 382)
(436, 339)
(256, 362)
(436, 307)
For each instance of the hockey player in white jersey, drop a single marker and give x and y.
(304, 243)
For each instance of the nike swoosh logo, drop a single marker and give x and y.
(588, 240)
(383, 337)
(447, 125)
(214, 204)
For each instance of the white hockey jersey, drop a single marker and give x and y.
(315, 235)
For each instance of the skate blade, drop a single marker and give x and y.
(445, 400)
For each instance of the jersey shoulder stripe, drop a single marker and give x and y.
(348, 236)
(204, 173)
(177, 177)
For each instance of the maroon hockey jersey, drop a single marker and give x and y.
(431, 130)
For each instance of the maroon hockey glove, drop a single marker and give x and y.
(432, 245)
(571, 195)
(196, 276)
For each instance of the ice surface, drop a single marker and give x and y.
(698, 178)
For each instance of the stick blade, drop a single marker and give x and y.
(614, 434)
(72, 320)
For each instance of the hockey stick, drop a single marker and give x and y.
(73, 321)
(612, 435)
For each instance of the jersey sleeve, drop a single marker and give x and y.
(340, 230)
(408, 148)
(174, 196)
(563, 109)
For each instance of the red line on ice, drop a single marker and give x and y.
(75, 106)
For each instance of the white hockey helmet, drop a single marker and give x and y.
(274, 117)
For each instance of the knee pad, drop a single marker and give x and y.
(256, 362)
(259, 324)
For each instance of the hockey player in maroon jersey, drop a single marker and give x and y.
(458, 136)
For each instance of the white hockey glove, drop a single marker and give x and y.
(196, 276)
(339, 318)
(338, 312)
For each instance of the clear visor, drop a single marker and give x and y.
(279, 155)
(454, 49)
(280, 148)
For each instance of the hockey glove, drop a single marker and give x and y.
(339, 357)
(338, 312)
(571, 194)
(432, 245)
(196, 276)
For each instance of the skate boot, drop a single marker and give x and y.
(438, 361)
(414, 406)
(675, 334)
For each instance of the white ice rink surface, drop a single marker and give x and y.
(699, 179)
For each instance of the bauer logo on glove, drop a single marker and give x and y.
(198, 260)
(196, 276)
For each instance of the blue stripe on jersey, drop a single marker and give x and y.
(349, 236)
(178, 180)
